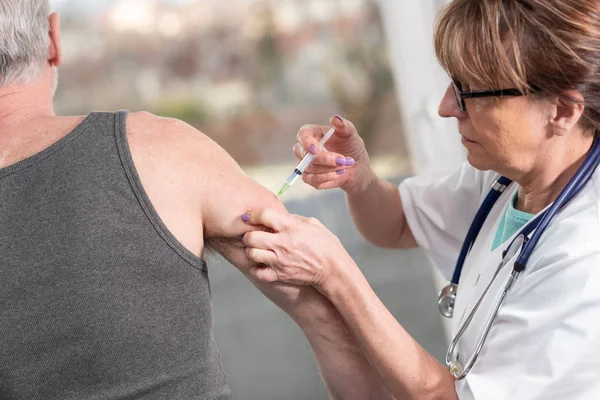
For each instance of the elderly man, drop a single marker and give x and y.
(104, 291)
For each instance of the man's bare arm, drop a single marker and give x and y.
(203, 180)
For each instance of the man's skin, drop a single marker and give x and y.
(200, 194)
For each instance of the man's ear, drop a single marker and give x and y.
(567, 111)
(54, 48)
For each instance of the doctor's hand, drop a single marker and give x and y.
(345, 162)
(295, 250)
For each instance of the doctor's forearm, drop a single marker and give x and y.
(346, 371)
(406, 368)
(378, 214)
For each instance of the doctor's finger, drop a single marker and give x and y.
(267, 217)
(343, 127)
(260, 256)
(308, 220)
(309, 136)
(326, 158)
(327, 180)
(259, 240)
(300, 153)
(264, 273)
(320, 169)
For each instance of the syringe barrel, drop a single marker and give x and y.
(293, 177)
(306, 161)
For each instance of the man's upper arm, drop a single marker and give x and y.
(223, 190)
(227, 193)
(199, 191)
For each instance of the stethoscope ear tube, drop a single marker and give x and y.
(497, 189)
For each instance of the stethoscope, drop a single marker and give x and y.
(522, 240)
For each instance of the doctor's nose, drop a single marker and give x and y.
(448, 106)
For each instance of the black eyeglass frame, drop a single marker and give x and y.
(462, 95)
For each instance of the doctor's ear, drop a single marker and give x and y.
(566, 112)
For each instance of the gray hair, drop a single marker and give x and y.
(24, 40)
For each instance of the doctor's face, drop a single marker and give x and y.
(505, 134)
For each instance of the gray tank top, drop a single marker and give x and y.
(98, 300)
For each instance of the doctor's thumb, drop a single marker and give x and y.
(263, 273)
(343, 127)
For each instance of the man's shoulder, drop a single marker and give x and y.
(162, 133)
(153, 123)
(172, 147)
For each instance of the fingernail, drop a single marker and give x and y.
(313, 149)
(246, 217)
(340, 118)
(340, 161)
(350, 161)
(341, 172)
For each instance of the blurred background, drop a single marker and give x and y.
(249, 74)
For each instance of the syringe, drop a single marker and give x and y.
(304, 164)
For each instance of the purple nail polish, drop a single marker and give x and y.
(340, 118)
(340, 161)
(341, 172)
(246, 217)
(313, 149)
(350, 161)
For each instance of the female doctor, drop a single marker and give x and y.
(522, 217)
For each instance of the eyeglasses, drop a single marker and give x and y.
(462, 95)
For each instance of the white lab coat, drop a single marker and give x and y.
(545, 341)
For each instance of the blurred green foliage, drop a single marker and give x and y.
(190, 111)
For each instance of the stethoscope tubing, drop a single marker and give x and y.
(582, 176)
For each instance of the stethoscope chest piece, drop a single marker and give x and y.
(446, 300)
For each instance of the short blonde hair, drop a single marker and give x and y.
(546, 45)
(24, 39)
